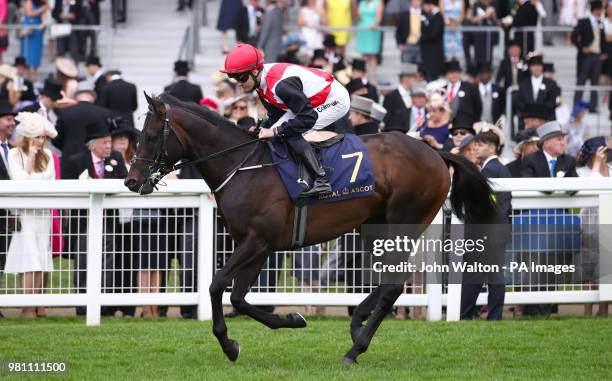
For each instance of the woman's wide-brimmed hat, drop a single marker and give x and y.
(32, 124)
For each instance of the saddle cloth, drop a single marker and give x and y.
(346, 162)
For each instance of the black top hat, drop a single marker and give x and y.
(359, 64)
(329, 41)
(354, 85)
(485, 68)
(93, 60)
(514, 43)
(5, 108)
(472, 70)
(118, 126)
(319, 53)
(549, 67)
(97, 129)
(461, 125)
(451, 66)
(52, 89)
(20, 61)
(535, 59)
(434, 2)
(535, 110)
(181, 67)
(596, 4)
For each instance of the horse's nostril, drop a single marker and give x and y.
(129, 182)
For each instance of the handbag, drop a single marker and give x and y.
(60, 30)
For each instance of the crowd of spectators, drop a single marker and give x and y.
(82, 126)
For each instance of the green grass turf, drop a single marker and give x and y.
(557, 349)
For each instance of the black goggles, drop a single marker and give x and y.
(240, 77)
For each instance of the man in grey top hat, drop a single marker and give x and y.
(399, 101)
(366, 115)
(411, 118)
(551, 160)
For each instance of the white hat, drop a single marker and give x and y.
(32, 124)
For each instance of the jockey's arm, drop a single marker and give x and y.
(291, 92)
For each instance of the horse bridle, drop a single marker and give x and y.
(160, 166)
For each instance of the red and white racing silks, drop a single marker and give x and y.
(317, 83)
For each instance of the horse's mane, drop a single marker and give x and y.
(199, 111)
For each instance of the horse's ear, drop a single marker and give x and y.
(155, 104)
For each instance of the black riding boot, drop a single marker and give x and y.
(320, 184)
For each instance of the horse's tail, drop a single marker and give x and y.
(471, 195)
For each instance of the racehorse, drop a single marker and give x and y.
(412, 182)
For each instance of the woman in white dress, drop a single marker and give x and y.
(310, 19)
(29, 253)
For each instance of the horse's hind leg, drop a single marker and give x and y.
(242, 281)
(363, 311)
(389, 294)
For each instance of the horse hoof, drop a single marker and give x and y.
(297, 320)
(355, 333)
(349, 361)
(232, 350)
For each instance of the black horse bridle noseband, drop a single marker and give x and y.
(160, 165)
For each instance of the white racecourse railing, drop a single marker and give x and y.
(96, 196)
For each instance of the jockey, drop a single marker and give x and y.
(299, 100)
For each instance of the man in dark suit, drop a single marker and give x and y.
(537, 89)
(70, 13)
(551, 160)
(359, 84)
(72, 121)
(431, 42)
(512, 69)
(527, 15)
(399, 101)
(47, 96)
(410, 119)
(7, 126)
(181, 87)
(98, 162)
(462, 97)
(589, 38)
(119, 96)
(491, 95)
(95, 73)
(487, 144)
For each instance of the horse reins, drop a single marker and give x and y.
(160, 166)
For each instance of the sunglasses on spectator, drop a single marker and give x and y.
(239, 108)
(436, 109)
(459, 132)
(240, 77)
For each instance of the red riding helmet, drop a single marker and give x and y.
(243, 58)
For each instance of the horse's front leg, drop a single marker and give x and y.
(218, 285)
(242, 282)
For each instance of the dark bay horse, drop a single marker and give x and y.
(412, 183)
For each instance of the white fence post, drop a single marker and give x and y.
(95, 223)
(206, 240)
(453, 300)
(434, 286)
(605, 242)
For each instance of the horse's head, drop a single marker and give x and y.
(158, 149)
